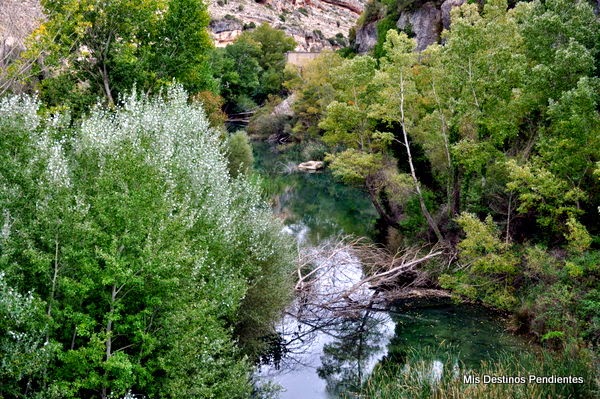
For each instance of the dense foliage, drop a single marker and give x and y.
(252, 67)
(90, 50)
(129, 259)
(489, 143)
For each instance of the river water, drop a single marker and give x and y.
(328, 353)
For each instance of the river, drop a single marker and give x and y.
(329, 353)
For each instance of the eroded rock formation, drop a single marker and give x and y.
(314, 24)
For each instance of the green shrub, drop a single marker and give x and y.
(239, 154)
(133, 253)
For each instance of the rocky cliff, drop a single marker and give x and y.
(424, 20)
(18, 18)
(314, 24)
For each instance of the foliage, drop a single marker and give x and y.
(136, 258)
(253, 65)
(415, 379)
(488, 264)
(93, 49)
(352, 166)
(313, 91)
(239, 154)
(212, 104)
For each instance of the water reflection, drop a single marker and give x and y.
(329, 342)
(331, 336)
(351, 356)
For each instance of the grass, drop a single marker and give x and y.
(417, 378)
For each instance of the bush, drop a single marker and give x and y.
(266, 125)
(239, 154)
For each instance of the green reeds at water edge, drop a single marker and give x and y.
(430, 373)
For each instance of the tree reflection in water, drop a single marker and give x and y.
(333, 330)
(351, 356)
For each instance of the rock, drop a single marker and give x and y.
(424, 22)
(366, 37)
(312, 23)
(447, 6)
(218, 26)
(285, 107)
(18, 18)
(311, 166)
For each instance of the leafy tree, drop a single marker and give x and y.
(239, 71)
(252, 67)
(488, 264)
(142, 256)
(92, 49)
(182, 47)
(398, 93)
(313, 91)
(274, 44)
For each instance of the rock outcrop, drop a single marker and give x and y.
(424, 23)
(424, 20)
(366, 37)
(314, 24)
(446, 7)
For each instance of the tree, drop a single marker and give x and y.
(182, 47)
(142, 257)
(313, 91)
(398, 91)
(239, 154)
(252, 67)
(89, 49)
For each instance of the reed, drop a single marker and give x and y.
(419, 378)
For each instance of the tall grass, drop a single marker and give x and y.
(419, 378)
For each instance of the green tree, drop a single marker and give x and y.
(182, 47)
(146, 263)
(274, 44)
(398, 95)
(90, 49)
(239, 154)
(313, 91)
(252, 67)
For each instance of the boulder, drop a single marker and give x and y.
(311, 166)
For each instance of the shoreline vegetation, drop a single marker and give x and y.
(139, 256)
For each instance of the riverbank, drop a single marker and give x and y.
(322, 349)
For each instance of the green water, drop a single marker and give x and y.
(315, 200)
(473, 333)
(344, 354)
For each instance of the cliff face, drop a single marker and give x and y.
(423, 20)
(314, 24)
(18, 18)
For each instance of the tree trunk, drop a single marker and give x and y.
(374, 195)
(106, 83)
(413, 173)
(455, 192)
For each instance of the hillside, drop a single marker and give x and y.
(310, 22)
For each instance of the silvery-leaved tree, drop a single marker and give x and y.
(146, 258)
